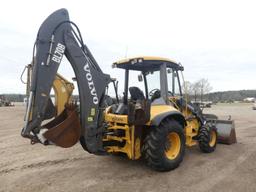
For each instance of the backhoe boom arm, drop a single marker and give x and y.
(56, 37)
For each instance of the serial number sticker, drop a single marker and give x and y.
(58, 53)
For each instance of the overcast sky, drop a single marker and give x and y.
(211, 39)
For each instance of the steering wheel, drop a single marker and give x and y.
(152, 92)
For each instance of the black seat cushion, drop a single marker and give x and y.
(136, 93)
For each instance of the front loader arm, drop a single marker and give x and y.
(56, 38)
(63, 91)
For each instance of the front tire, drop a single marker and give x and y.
(207, 139)
(164, 146)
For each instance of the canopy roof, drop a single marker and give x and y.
(146, 63)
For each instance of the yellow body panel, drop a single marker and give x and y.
(132, 147)
(191, 130)
(129, 147)
(110, 117)
(159, 109)
(192, 127)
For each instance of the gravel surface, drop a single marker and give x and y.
(25, 167)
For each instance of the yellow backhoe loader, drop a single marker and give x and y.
(152, 120)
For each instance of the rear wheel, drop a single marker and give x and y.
(164, 146)
(207, 139)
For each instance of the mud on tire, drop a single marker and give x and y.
(158, 147)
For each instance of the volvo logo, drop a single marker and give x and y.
(91, 85)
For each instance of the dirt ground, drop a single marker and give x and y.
(25, 167)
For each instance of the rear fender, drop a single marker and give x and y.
(170, 114)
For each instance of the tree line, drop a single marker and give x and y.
(197, 91)
(201, 91)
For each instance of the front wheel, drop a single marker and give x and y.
(164, 146)
(207, 139)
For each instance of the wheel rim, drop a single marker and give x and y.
(213, 138)
(172, 145)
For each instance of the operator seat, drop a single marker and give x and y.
(140, 109)
(136, 94)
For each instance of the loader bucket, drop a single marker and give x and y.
(65, 129)
(226, 131)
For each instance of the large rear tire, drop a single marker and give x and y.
(164, 146)
(207, 139)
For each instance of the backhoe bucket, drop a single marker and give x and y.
(65, 129)
(226, 131)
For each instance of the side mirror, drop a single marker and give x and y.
(140, 78)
